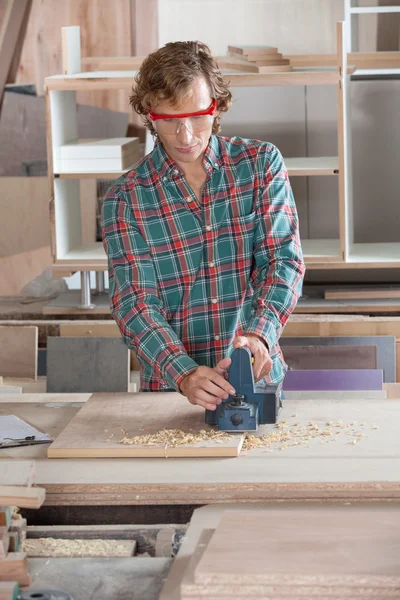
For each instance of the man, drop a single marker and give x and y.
(202, 236)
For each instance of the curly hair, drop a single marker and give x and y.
(168, 73)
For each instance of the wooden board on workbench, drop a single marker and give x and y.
(316, 549)
(18, 351)
(330, 357)
(99, 426)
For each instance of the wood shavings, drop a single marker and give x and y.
(93, 548)
(285, 436)
(171, 438)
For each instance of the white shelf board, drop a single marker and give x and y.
(96, 75)
(372, 10)
(86, 252)
(92, 174)
(321, 248)
(360, 73)
(312, 165)
(375, 253)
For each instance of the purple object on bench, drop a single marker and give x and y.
(325, 380)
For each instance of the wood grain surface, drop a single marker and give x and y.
(104, 420)
(355, 549)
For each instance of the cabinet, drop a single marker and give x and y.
(70, 254)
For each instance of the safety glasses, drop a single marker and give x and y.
(196, 121)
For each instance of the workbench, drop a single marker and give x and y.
(153, 491)
(370, 469)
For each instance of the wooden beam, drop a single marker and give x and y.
(16, 15)
(24, 497)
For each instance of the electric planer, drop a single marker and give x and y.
(252, 405)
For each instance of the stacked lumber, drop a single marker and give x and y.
(286, 553)
(15, 491)
(256, 59)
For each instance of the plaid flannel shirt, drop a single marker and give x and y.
(187, 277)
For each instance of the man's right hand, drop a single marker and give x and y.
(207, 387)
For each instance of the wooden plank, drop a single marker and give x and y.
(58, 547)
(4, 542)
(5, 516)
(208, 518)
(15, 568)
(362, 292)
(106, 417)
(17, 472)
(9, 590)
(14, 20)
(385, 348)
(392, 390)
(46, 398)
(323, 379)
(89, 329)
(13, 542)
(335, 394)
(324, 326)
(314, 549)
(23, 497)
(18, 351)
(330, 357)
(230, 62)
(18, 526)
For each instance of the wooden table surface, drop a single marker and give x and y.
(370, 468)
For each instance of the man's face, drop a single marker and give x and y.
(184, 144)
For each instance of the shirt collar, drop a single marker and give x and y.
(166, 167)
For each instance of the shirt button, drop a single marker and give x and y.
(190, 199)
(211, 264)
(165, 178)
(214, 301)
(176, 172)
(216, 338)
(208, 227)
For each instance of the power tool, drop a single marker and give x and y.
(252, 405)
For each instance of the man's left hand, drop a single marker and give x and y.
(262, 360)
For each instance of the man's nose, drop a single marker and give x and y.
(184, 131)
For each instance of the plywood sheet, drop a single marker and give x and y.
(208, 517)
(350, 549)
(385, 344)
(330, 357)
(18, 351)
(104, 420)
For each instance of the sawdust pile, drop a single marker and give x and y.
(67, 548)
(176, 437)
(287, 435)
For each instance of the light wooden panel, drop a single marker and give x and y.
(315, 549)
(330, 357)
(18, 351)
(105, 30)
(106, 415)
(253, 23)
(24, 223)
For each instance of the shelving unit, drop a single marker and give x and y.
(71, 255)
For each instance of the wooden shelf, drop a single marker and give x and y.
(372, 10)
(312, 165)
(92, 255)
(375, 253)
(368, 74)
(321, 250)
(103, 80)
(91, 174)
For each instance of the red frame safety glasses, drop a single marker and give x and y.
(195, 121)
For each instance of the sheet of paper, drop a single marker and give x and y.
(13, 427)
